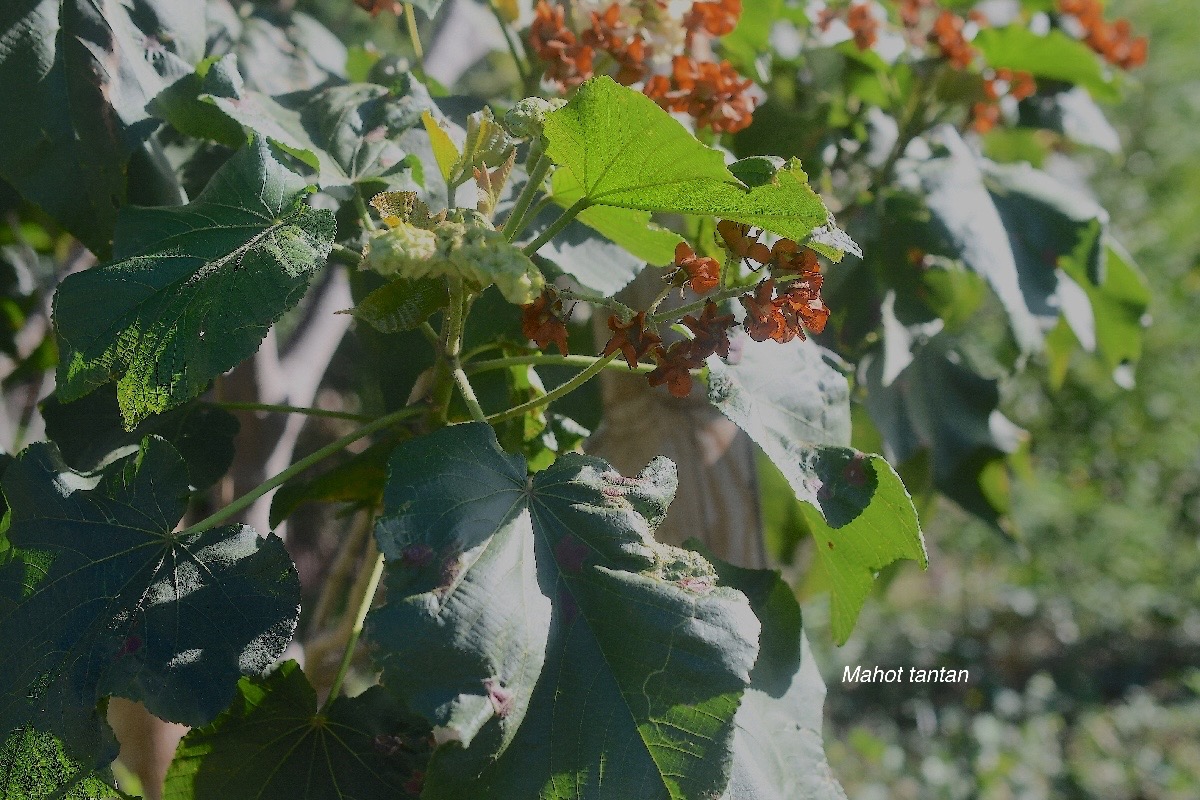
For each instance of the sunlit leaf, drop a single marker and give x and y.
(194, 288)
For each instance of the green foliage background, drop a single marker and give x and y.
(1083, 636)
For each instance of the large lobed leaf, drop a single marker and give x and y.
(555, 647)
(795, 406)
(75, 78)
(194, 288)
(274, 744)
(623, 150)
(778, 748)
(99, 597)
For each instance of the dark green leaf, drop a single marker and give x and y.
(75, 78)
(90, 433)
(941, 404)
(778, 750)
(194, 289)
(498, 581)
(272, 744)
(795, 407)
(1075, 115)
(401, 305)
(277, 51)
(99, 597)
(359, 480)
(625, 151)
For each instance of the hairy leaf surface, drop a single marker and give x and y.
(99, 597)
(272, 744)
(625, 151)
(545, 603)
(194, 289)
(796, 408)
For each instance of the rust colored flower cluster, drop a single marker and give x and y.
(674, 364)
(910, 11)
(712, 93)
(716, 18)
(784, 256)
(863, 24)
(544, 322)
(567, 61)
(947, 34)
(628, 48)
(701, 273)
(985, 115)
(784, 315)
(631, 338)
(1112, 40)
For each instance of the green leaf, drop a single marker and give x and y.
(90, 434)
(34, 766)
(277, 51)
(348, 134)
(752, 36)
(194, 289)
(631, 229)
(1120, 304)
(1054, 55)
(1011, 224)
(500, 583)
(445, 152)
(99, 597)
(625, 151)
(272, 743)
(401, 305)
(75, 78)
(940, 403)
(795, 407)
(1075, 115)
(778, 750)
(359, 480)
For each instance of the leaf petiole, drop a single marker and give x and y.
(333, 448)
(360, 617)
(556, 227)
(579, 380)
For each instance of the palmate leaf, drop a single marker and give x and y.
(778, 748)
(33, 766)
(625, 151)
(272, 744)
(536, 619)
(75, 78)
(98, 597)
(796, 408)
(194, 289)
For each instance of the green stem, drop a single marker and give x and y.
(597, 300)
(673, 314)
(468, 395)
(278, 409)
(364, 213)
(429, 333)
(333, 448)
(563, 221)
(537, 175)
(364, 606)
(545, 359)
(579, 380)
(345, 255)
(410, 18)
(522, 67)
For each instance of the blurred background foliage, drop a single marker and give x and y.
(1082, 634)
